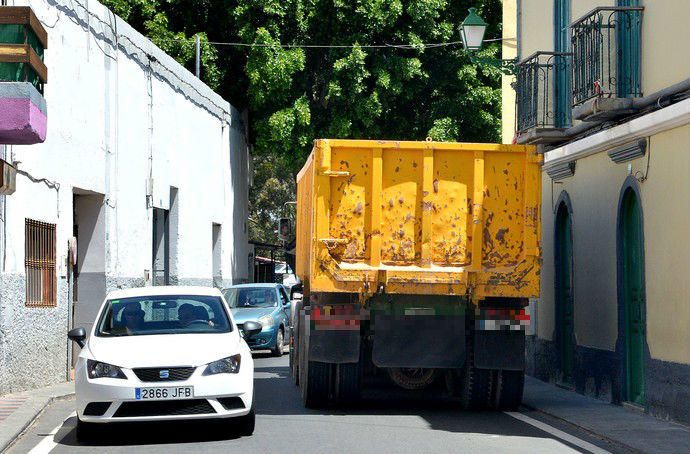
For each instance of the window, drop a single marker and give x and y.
(39, 245)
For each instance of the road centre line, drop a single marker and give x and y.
(48, 443)
(557, 433)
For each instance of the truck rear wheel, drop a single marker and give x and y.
(509, 386)
(315, 384)
(476, 385)
(348, 382)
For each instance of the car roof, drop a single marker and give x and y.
(164, 290)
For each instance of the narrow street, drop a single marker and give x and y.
(284, 425)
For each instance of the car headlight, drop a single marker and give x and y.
(229, 365)
(266, 321)
(97, 369)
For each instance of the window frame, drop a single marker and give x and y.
(40, 263)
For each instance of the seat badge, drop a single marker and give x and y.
(164, 374)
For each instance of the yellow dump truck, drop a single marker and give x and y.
(417, 260)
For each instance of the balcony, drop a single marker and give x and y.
(22, 76)
(543, 101)
(606, 62)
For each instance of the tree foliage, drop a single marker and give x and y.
(297, 94)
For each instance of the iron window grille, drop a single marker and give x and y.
(41, 280)
(537, 91)
(606, 53)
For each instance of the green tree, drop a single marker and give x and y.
(404, 91)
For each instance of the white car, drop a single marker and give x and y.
(164, 353)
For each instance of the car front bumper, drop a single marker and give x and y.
(264, 340)
(215, 396)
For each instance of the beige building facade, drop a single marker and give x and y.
(603, 88)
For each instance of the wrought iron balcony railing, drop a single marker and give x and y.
(543, 96)
(606, 54)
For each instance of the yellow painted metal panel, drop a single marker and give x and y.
(376, 205)
(477, 211)
(420, 218)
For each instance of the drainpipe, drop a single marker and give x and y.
(638, 104)
(655, 98)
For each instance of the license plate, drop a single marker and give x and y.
(176, 392)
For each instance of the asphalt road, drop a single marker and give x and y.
(285, 426)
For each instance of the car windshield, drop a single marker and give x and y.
(166, 314)
(251, 297)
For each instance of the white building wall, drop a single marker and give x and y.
(119, 111)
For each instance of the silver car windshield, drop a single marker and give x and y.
(165, 314)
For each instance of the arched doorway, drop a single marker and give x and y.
(565, 337)
(632, 295)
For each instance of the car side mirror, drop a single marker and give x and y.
(77, 335)
(251, 329)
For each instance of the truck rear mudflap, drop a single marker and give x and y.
(418, 331)
(334, 332)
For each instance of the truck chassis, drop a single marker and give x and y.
(473, 352)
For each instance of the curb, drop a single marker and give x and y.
(24, 428)
(588, 431)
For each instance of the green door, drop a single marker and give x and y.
(632, 261)
(564, 294)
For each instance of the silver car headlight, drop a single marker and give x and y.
(229, 365)
(266, 321)
(97, 369)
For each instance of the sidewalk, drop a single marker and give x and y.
(623, 426)
(18, 410)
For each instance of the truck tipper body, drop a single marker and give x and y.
(418, 260)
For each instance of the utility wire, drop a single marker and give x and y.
(331, 46)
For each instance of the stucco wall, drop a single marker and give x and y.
(536, 26)
(119, 111)
(594, 193)
(508, 51)
(665, 38)
(665, 197)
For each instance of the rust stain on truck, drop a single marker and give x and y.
(420, 218)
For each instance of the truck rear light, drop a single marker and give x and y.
(502, 319)
(335, 317)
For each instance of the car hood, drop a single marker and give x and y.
(253, 314)
(164, 350)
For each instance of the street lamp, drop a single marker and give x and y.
(472, 30)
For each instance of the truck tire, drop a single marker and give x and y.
(509, 386)
(476, 386)
(348, 382)
(296, 334)
(291, 364)
(315, 385)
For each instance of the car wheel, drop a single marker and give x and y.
(87, 431)
(247, 423)
(280, 342)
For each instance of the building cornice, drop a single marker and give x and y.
(655, 122)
